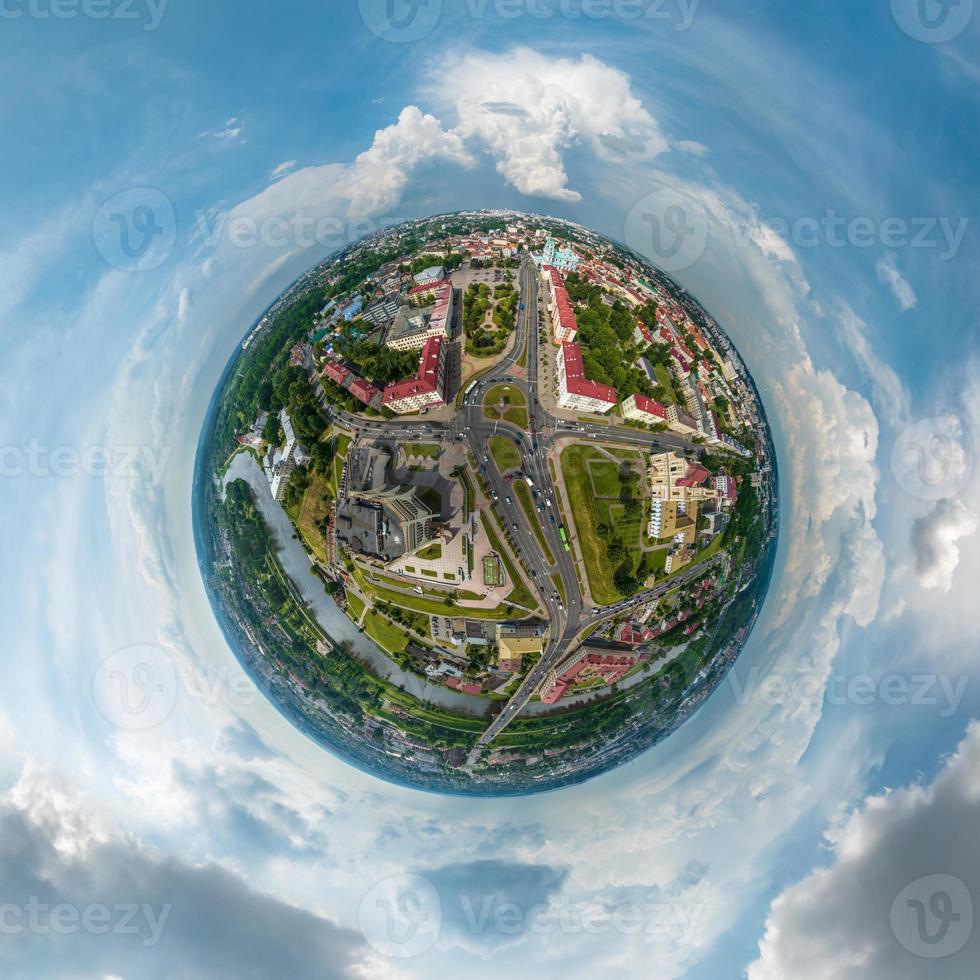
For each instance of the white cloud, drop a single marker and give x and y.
(900, 287)
(287, 166)
(843, 922)
(934, 542)
(527, 108)
(231, 132)
(379, 175)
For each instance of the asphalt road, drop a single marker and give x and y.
(470, 424)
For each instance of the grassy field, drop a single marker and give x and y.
(666, 380)
(505, 453)
(314, 507)
(583, 468)
(507, 403)
(389, 636)
(423, 449)
(355, 606)
(524, 496)
(435, 607)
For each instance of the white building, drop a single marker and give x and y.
(575, 391)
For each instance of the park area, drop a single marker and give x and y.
(609, 509)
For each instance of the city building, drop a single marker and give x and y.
(575, 390)
(681, 422)
(673, 518)
(564, 325)
(427, 388)
(279, 463)
(674, 478)
(511, 650)
(430, 276)
(727, 488)
(412, 329)
(563, 259)
(585, 665)
(642, 409)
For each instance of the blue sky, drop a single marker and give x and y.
(770, 837)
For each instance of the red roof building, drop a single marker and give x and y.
(563, 320)
(642, 409)
(592, 665)
(427, 388)
(575, 390)
(364, 391)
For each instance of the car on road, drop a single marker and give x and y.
(552, 518)
(514, 526)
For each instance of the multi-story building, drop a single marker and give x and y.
(564, 325)
(681, 422)
(427, 388)
(587, 664)
(727, 488)
(413, 329)
(670, 519)
(673, 478)
(575, 390)
(642, 409)
(280, 463)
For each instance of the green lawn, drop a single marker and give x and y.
(435, 607)
(432, 552)
(507, 403)
(355, 606)
(315, 506)
(505, 454)
(582, 466)
(534, 518)
(428, 450)
(666, 381)
(388, 635)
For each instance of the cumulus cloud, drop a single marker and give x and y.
(183, 919)
(900, 287)
(934, 542)
(854, 921)
(528, 108)
(380, 173)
